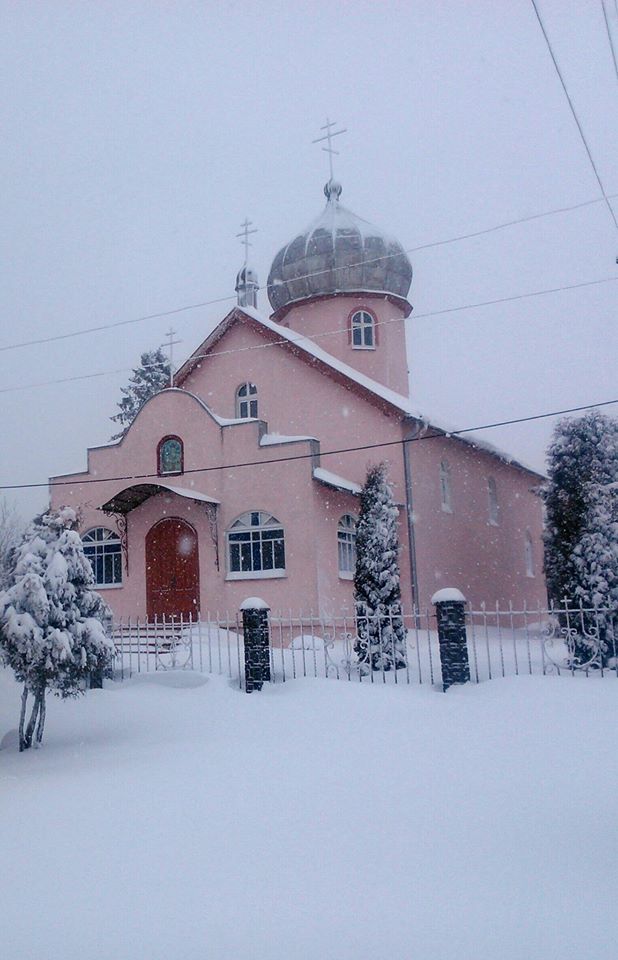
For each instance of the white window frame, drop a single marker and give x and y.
(253, 531)
(97, 541)
(346, 546)
(446, 489)
(492, 502)
(366, 327)
(247, 401)
(529, 555)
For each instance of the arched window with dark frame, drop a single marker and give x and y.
(246, 401)
(256, 546)
(103, 549)
(170, 456)
(346, 546)
(362, 330)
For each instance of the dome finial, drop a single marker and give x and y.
(332, 190)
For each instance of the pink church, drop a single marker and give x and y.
(243, 479)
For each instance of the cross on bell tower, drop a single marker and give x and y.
(246, 279)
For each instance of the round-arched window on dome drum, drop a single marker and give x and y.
(170, 456)
(362, 329)
(103, 549)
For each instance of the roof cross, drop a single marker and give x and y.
(329, 135)
(244, 233)
(170, 345)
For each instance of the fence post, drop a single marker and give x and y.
(451, 617)
(256, 642)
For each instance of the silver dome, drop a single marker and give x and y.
(338, 253)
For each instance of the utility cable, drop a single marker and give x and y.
(207, 303)
(326, 333)
(323, 453)
(575, 117)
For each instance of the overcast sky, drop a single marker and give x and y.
(137, 136)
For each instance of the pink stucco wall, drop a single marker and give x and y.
(297, 397)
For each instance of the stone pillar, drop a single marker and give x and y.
(451, 617)
(257, 642)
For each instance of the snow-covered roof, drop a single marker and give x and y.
(126, 500)
(311, 349)
(269, 439)
(335, 481)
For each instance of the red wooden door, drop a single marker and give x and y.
(172, 569)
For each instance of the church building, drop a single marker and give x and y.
(244, 476)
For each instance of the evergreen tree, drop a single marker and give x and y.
(381, 635)
(11, 529)
(581, 537)
(152, 375)
(51, 630)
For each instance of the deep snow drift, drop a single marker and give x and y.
(175, 817)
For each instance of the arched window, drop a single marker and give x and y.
(256, 546)
(103, 550)
(362, 327)
(529, 554)
(492, 496)
(170, 456)
(346, 546)
(446, 498)
(246, 401)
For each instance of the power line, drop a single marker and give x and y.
(610, 38)
(575, 117)
(325, 333)
(207, 303)
(323, 453)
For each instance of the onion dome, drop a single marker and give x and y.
(338, 253)
(246, 287)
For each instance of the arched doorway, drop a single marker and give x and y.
(172, 569)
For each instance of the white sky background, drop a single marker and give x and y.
(137, 136)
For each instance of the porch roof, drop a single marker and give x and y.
(131, 497)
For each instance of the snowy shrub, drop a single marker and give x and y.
(11, 529)
(51, 620)
(381, 638)
(581, 537)
(152, 375)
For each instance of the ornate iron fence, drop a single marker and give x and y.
(501, 641)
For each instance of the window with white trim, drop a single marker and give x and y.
(346, 546)
(446, 497)
(529, 554)
(256, 546)
(103, 549)
(492, 498)
(362, 328)
(246, 401)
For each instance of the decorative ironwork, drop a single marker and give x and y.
(211, 514)
(122, 526)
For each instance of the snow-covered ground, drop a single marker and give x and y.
(172, 816)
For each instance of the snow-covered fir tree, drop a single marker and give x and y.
(152, 375)
(51, 620)
(381, 642)
(11, 529)
(581, 538)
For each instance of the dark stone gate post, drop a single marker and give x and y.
(451, 616)
(257, 642)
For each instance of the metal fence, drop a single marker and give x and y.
(562, 639)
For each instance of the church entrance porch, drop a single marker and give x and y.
(172, 570)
